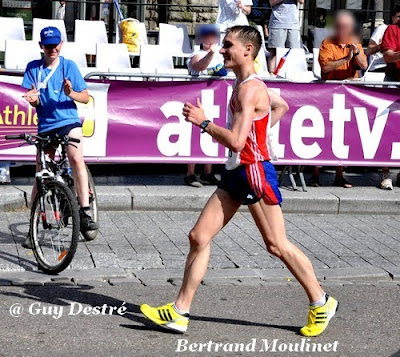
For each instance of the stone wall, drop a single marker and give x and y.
(182, 13)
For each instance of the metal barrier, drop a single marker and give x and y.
(188, 77)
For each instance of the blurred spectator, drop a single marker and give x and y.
(105, 11)
(377, 62)
(60, 15)
(207, 177)
(233, 12)
(390, 48)
(341, 56)
(376, 59)
(284, 29)
(207, 61)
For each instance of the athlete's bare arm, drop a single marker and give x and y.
(279, 107)
(248, 97)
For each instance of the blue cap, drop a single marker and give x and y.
(50, 36)
(207, 30)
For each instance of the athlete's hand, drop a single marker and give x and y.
(193, 114)
(67, 87)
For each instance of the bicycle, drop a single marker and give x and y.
(54, 219)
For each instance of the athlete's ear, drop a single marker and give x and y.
(249, 49)
(199, 104)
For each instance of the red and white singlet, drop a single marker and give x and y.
(256, 147)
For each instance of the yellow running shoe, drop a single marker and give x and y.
(166, 317)
(319, 317)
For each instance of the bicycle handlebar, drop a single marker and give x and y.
(28, 137)
(11, 137)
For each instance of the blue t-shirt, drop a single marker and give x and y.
(55, 109)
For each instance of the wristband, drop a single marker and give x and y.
(356, 54)
(204, 125)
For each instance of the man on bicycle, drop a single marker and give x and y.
(53, 84)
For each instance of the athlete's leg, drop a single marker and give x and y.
(270, 222)
(75, 157)
(216, 214)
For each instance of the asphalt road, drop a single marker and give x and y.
(367, 324)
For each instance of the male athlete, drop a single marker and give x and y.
(250, 179)
(53, 84)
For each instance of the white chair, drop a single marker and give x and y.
(316, 67)
(19, 53)
(175, 39)
(143, 34)
(154, 58)
(12, 28)
(373, 77)
(39, 24)
(261, 30)
(112, 57)
(89, 33)
(295, 61)
(74, 52)
(302, 77)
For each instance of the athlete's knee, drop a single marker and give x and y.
(274, 250)
(198, 240)
(278, 249)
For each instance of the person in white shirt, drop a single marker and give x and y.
(206, 61)
(376, 60)
(233, 12)
(377, 63)
(61, 11)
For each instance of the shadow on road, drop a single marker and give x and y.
(63, 294)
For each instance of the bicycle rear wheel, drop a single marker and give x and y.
(94, 209)
(54, 227)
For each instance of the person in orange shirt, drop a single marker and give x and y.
(341, 56)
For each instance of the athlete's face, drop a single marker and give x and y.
(235, 53)
(52, 51)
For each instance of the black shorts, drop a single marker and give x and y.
(61, 131)
(248, 184)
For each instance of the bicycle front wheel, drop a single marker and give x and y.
(54, 227)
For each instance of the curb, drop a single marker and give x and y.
(332, 200)
(151, 277)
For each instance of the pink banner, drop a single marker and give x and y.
(327, 124)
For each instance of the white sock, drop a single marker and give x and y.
(180, 312)
(320, 302)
